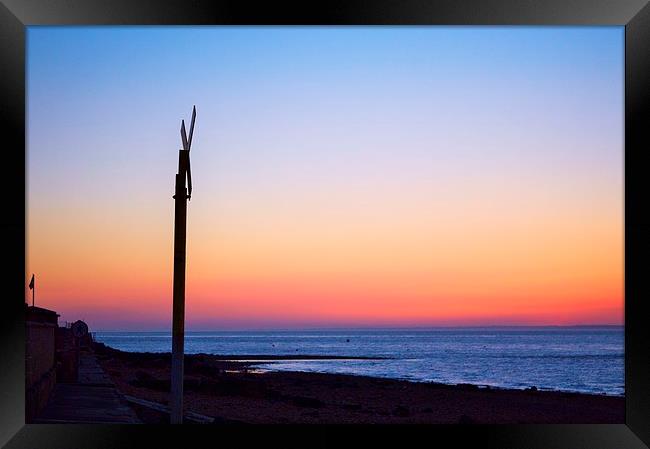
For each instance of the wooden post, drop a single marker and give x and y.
(178, 320)
(178, 308)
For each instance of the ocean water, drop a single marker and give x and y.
(580, 359)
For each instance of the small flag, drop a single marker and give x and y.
(31, 283)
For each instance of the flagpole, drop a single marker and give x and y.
(32, 287)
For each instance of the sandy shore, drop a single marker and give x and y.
(232, 391)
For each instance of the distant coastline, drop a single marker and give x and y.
(378, 328)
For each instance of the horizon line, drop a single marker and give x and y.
(268, 329)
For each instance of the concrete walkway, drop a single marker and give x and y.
(93, 399)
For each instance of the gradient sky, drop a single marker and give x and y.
(359, 176)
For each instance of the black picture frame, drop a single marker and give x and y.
(15, 15)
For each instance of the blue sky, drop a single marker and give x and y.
(294, 123)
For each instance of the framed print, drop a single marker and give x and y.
(354, 224)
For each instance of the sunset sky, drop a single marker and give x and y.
(343, 176)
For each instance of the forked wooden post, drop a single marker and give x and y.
(181, 195)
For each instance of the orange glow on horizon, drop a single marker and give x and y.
(382, 270)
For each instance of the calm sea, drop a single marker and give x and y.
(582, 359)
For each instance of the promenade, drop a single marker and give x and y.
(92, 399)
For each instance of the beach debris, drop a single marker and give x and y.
(464, 419)
(307, 402)
(352, 406)
(401, 411)
(164, 410)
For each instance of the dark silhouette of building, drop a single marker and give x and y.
(41, 326)
(51, 356)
